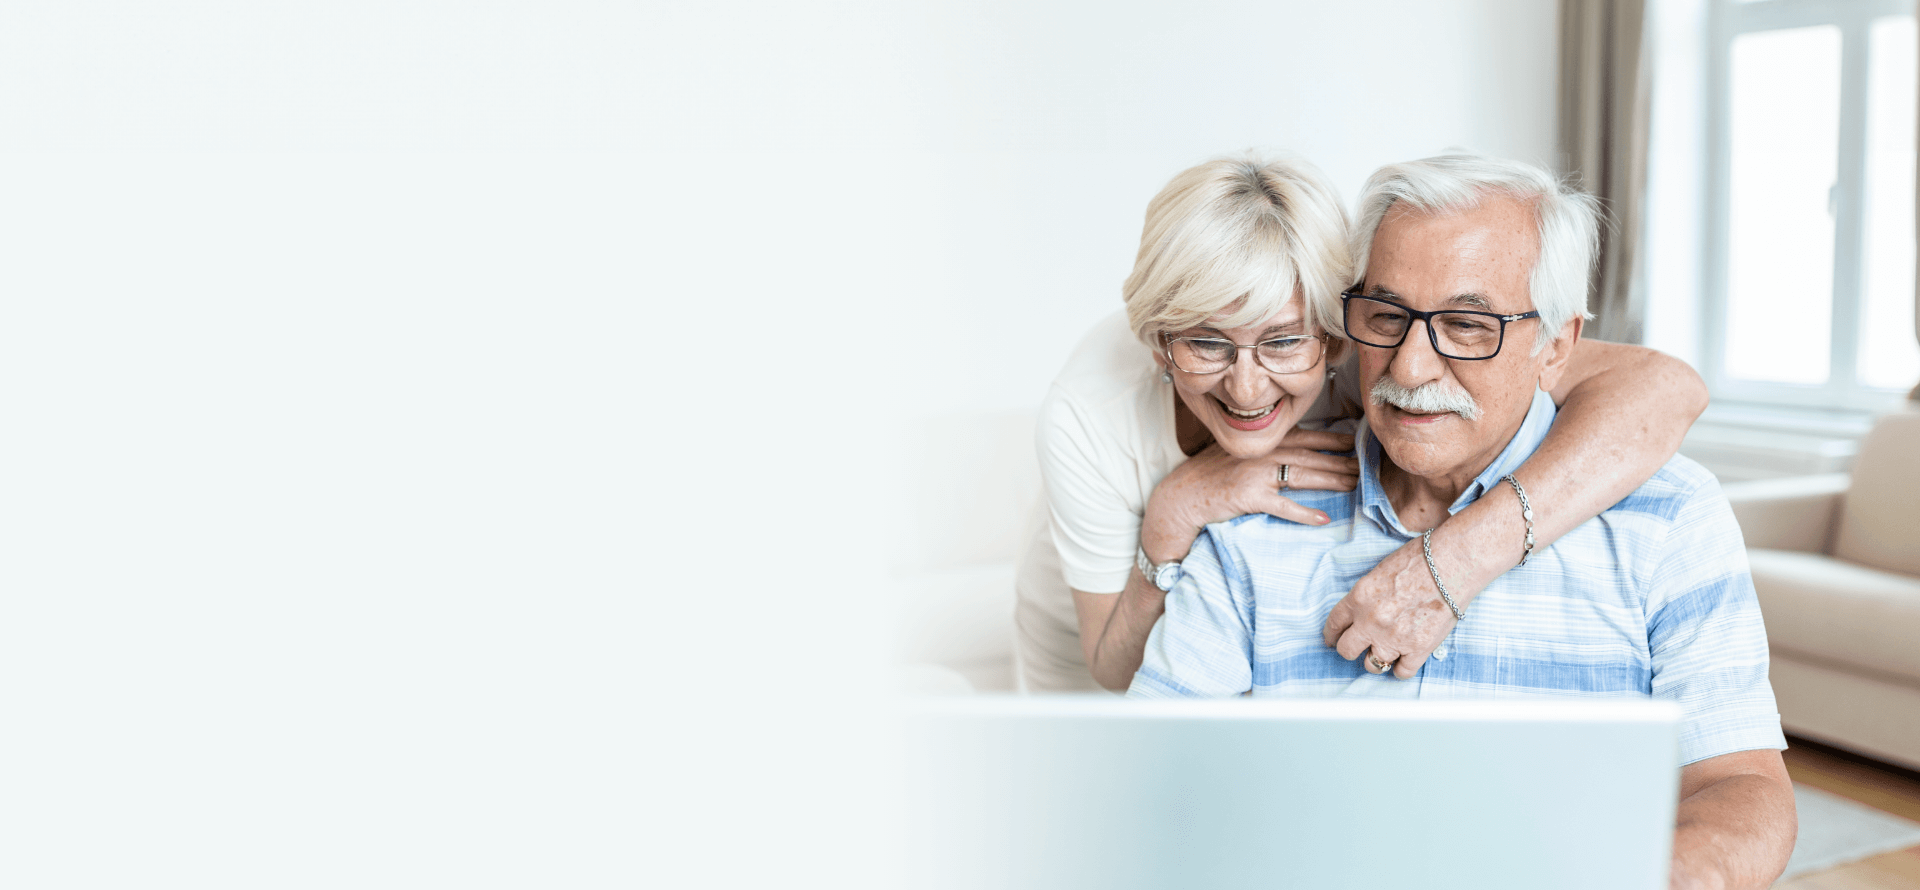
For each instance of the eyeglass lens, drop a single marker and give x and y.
(1459, 334)
(1206, 355)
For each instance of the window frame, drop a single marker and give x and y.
(1729, 19)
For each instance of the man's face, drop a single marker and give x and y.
(1476, 260)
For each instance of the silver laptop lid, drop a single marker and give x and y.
(1061, 792)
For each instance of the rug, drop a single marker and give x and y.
(1836, 831)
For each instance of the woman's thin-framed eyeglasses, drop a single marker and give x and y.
(1211, 355)
(1464, 334)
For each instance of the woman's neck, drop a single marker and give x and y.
(1188, 432)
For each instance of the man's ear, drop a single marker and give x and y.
(1554, 358)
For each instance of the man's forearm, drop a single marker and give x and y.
(1734, 834)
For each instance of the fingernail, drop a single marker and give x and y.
(1322, 518)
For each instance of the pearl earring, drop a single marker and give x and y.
(1166, 376)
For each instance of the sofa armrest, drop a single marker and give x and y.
(1795, 513)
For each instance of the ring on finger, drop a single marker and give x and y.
(1286, 477)
(1383, 666)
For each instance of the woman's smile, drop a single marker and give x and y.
(1244, 404)
(1250, 421)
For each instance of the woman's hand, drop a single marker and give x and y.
(1213, 486)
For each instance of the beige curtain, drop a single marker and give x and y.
(1915, 394)
(1604, 103)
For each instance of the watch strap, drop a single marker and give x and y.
(1159, 575)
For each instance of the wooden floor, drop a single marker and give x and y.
(1870, 782)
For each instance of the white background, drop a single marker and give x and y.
(440, 438)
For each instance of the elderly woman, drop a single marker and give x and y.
(1207, 400)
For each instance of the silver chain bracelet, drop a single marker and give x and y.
(1426, 546)
(1526, 512)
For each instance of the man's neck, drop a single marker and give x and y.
(1419, 502)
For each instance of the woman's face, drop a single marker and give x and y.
(1247, 407)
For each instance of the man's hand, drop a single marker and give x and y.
(1395, 611)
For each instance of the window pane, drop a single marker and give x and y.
(1889, 355)
(1786, 116)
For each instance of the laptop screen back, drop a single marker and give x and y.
(1061, 792)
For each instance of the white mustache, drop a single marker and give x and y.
(1427, 398)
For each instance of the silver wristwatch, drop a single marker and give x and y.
(1162, 575)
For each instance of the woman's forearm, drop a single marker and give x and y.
(1211, 486)
(1116, 655)
(1114, 627)
(1167, 532)
(1626, 410)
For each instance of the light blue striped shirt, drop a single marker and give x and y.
(1651, 597)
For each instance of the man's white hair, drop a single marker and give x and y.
(1240, 233)
(1568, 221)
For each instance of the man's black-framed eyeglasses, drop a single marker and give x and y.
(1463, 334)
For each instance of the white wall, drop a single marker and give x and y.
(374, 518)
(1043, 130)
(1036, 134)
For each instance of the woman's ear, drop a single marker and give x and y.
(1336, 351)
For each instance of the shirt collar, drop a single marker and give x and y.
(1373, 498)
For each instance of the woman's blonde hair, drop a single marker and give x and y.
(1238, 235)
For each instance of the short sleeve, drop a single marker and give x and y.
(1705, 635)
(1203, 645)
(1094, 528)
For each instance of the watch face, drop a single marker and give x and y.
(1167, 574)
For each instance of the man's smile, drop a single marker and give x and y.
(1417, 418)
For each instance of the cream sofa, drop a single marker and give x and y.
(1836, 563)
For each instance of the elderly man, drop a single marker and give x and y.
(1472, 294)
